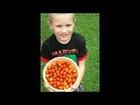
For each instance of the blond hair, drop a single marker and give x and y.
(50, 15)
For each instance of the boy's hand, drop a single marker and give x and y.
(73, 88)
(48, 87)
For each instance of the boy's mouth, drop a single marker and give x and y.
(63, 36)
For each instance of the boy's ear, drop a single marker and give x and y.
(74, 22)
(50, 25)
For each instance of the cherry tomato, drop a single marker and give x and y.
(50, 79)
(73, 80)
(58, 83)
(75, 75)
(47, 75)
(69, 80)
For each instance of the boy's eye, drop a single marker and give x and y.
(68, 25)
(58, 26)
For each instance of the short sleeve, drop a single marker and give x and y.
(45, 53)
(82, 50)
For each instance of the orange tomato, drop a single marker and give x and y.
(47, 75)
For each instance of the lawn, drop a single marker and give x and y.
(87, 24)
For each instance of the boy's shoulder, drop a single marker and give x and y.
(78, 36)
(48, 40)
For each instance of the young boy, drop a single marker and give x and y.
(65, 42)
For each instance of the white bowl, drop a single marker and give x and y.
(64, 59)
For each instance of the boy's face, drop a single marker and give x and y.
(62, 25)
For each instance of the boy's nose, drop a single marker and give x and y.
(64, 29)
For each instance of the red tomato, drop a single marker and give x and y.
(59, 64)
(55, 86)
(65, 83)
(51, 83)
(47, 72)
(75, 75)
(74, 71)
(64, 76)
(62, 72)
(54, 63)
(70, 76)
(69, 72)
(69, 80)
(70, 84)
(47, 75)
(57, 78)
(50, 75)
(58, 74)
(50, 70)
(62, 62)
(61, 67)
(49, 67)
(58, 83)
(61, 76)
(65, 73)
(62, 83)
(64, 65)
(68, 63)
(50, 79)
(61, 80)
(55, 68)
(73, 80)
(70, 66)
(67, 86)
(60, 87)
(52, 66)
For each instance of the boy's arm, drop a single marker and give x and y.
(82, 70)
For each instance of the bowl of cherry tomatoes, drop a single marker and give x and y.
(60, 73)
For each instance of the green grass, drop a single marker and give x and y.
(88, 26)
